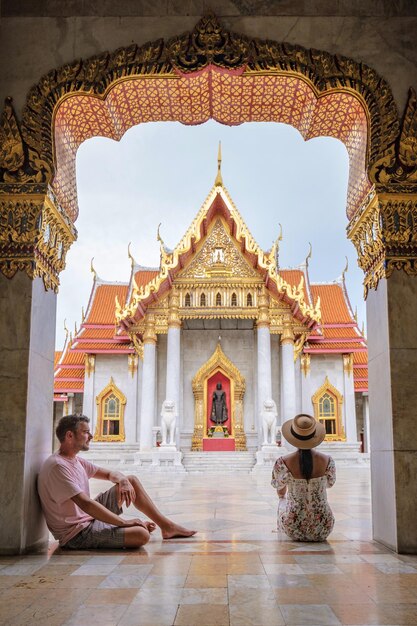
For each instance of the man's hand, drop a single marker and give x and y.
(125, 492)
(128, 523)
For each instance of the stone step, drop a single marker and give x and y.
(218, 462)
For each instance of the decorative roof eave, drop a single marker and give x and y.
(217, 201)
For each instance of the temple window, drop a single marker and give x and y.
(203, 299)
(110, 414)
(249, 300)
(218, 299)
(327, 402)
(234, 299)
(187, 299)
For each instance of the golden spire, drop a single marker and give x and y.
(82, 314)
(65, 328)
(355, 315)
(75, 329)
(219, 180)
(92, 270)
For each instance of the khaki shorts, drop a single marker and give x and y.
(99, 534)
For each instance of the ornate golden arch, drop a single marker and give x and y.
(102, 96)
(218, 362)
(327, 386)
(109, 389)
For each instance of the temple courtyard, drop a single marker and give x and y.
(236, 571)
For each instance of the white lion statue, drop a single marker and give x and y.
(269, 422)
(168, 423)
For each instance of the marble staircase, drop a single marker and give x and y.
(218, 462)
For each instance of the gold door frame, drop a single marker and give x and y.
(218, 362)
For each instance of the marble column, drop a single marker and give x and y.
(264, 374)
(147, 408)
(89, 405)
(349, 399)
(173, 354)
(392, 345)
(27, 338)
(288, 405)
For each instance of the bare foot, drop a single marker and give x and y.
(174, 531)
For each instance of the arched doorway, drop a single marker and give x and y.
(213, 73)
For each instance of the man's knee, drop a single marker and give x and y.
(134, 480)
(136, 536)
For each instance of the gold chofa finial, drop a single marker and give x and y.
(130, 255)
(346, 268)
(92, 270)
(310, 252)
(219, 180)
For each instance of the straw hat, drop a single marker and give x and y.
(303, 432)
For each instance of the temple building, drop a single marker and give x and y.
(216, 339)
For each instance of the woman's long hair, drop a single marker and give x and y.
(306, 463)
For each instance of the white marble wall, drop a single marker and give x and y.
(197, 347)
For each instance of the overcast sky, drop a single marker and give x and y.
(162, 172)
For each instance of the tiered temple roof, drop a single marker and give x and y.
(323, 308)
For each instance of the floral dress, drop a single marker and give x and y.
(304, 515)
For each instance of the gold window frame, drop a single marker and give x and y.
(330, 389)
(110, 389)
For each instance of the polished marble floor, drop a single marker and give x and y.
(236, 571)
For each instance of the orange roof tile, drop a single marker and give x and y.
(361, 386)
(96, 333)
(57, 356)
(333, 304)
(102, 308)
(60, 386)
(70, 373)
(143, 277)
(344, 331)
(94, 346)
(336, 345)
(360, 358)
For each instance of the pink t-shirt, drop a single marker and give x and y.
(59, 480)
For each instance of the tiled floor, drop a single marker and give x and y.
(236, 571)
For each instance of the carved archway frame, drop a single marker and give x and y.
(218, 362)
(383, 229)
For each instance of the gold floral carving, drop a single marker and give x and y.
(348, 364)
(90, 364)
(137, 343)
(299, 345)
(305, 364)
(132, 364)
(385, 237)
(218, 257)
(218, 362)
(19, 163)
(396, 170)
(35, 236)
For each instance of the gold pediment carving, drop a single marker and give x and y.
(218, 257)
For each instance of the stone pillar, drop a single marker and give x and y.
(366, 433)
(131, 397)
(174, 356)
(349, 399)
(147, 409)
(392, 345)
(288, 404)
(35, 235)
(384, 233)
(264, 374)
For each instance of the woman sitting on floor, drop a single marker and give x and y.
(301, 479)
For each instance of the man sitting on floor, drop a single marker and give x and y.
(79, 522)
